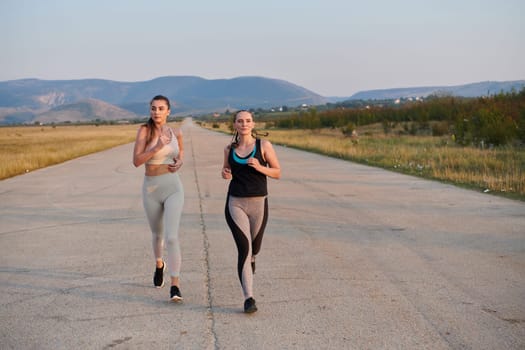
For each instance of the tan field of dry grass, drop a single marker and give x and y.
(26, 148)
(499, 170)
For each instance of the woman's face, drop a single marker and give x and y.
(244, 123)
(159, 111)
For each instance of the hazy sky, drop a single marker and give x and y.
(332, 47)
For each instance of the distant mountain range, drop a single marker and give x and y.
(30, 100)
(47, 101)
(468, 90)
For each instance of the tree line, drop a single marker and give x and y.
(496, 120)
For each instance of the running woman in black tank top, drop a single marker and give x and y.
(248, 161)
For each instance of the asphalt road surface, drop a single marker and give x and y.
(354, 257)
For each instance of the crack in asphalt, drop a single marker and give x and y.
(206, 246)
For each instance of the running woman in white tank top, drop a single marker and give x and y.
(160, 148)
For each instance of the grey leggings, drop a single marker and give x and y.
(246, 217)
(163, 199)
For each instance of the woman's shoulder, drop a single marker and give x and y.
(176, 130)
(143, 128)
(265, 143)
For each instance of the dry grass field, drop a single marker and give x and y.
(498, 170)
(26, 148)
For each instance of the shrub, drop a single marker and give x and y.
(486, 127)
(348, 129)
(520, 131)
(440, 128)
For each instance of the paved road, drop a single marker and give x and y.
(353, 258)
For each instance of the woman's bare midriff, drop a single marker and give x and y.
(156, 169)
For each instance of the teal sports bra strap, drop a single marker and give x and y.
(244, 160)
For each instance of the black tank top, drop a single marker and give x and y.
(246, 181)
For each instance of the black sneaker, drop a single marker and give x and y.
(158, 277)
(175, 294)
(249, 306)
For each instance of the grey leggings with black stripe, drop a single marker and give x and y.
(163, 199)
(246, 217)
